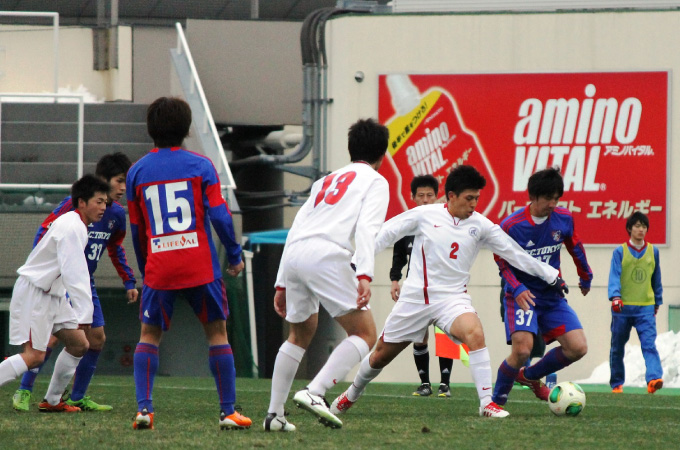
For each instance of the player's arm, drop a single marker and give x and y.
(65, 206)
(506, 247)
(656, 282)
(578, 254)
(614, 283)
(399, 260)
(371, 217)
(138, 230)
(74, 272)
(520, 293)
(119, 259)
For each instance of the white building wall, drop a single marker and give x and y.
(503, 43)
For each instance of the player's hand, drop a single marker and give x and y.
(280, 302)
(235, 270)
(364, 291)
(395, 291)
(656, 309)
(584, 290)
(132, 295)
(560, 285)
(525, 299)
(617, 305)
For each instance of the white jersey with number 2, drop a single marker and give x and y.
(346, 207)
(445, 248)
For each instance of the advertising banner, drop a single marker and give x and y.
(608, 133)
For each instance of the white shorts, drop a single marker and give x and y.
(35, 315)
(408, 322)
(318, 271)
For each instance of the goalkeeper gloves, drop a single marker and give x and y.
(617, 305)
(560, 285)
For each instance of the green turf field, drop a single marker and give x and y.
(386, 417)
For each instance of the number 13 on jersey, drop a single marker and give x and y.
(170, 207)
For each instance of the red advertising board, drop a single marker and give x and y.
(608, 132)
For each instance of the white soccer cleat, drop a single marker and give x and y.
(275, 423)
(341, 404)
(316, 405)
(493, 410)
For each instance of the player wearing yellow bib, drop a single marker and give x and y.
(636, 293)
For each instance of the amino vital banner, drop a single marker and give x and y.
(608, 132)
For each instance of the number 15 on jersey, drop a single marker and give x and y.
(170, 207)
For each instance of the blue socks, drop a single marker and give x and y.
(222, 367)
(553, 361)
(29, 376)
(84, 374)
(146, 365)
(505, 379)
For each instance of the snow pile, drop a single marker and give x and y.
(668, 345)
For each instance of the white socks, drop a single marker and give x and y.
(285, 367)
(64, 368)
(364, 376)
(11, 368)
(480, 368)
(346, 355)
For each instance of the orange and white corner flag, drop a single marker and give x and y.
(446, 348)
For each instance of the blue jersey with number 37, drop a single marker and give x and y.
(173, 196)
(544, 242)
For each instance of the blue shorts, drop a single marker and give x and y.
(209, 302)
(551, 318)
(97, 313)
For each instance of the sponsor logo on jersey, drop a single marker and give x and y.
(174, 242)
(98, 235)
(530, 243)
(550, 249)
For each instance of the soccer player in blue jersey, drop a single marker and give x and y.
(108, 234)
(532, 307)
(636, 293)
(173, 197)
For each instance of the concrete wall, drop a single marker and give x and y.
(27, 61)
(503, 43)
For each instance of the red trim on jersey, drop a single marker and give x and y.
(214, 194)
(427, 298)
(278, 288)
(365, 277)
(637, 249)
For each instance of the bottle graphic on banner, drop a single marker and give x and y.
(428, 136)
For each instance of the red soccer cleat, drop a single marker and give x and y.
(540, 390)
(143, 420)
(654, 385)
(59, 407)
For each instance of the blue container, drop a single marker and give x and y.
(551, 380)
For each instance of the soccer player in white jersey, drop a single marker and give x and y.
(448, 238)
(39, 306)
(345, 206)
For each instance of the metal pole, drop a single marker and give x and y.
(251, 310)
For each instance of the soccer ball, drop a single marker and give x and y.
(567, 399)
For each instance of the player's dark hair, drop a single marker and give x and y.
(168, 120)
(86, 187)
(546, 183)
(462, 178)
(367, 141)
(111, 165)
(424, 181)
(634, 218)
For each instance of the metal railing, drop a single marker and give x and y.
(80, 142)
(55, 33)
(203, 119)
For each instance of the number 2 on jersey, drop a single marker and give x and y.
(334, 195)
(454, 251)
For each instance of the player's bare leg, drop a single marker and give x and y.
(86, 368)
(75, 346)
(467, 328)
(370, 367)
(285, 367)
(361, 336)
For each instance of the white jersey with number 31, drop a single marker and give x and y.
(445, 248)
(346, 207)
